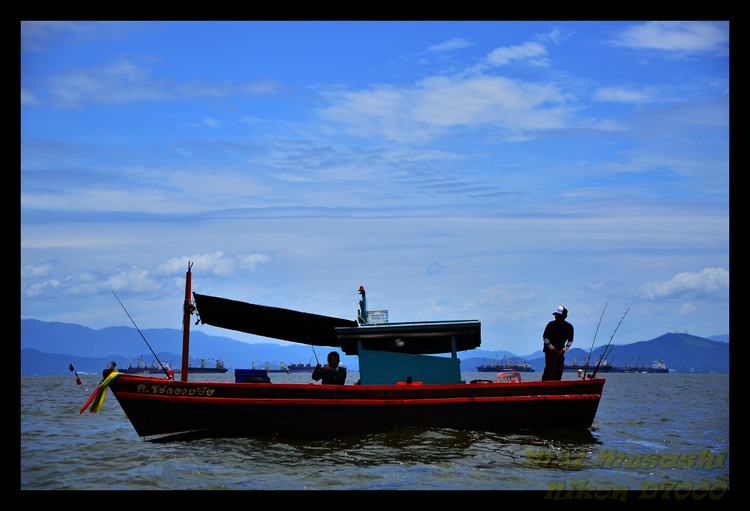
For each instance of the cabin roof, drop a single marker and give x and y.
(422, 338)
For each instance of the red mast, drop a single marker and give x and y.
(187, 311)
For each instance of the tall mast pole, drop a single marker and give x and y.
(187, 311)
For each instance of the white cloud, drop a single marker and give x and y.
(555, 35)
(118, 82)
(506, 54)
(496, 100)
(134, 279)
(211, 122)
(438, 103)
(687, 309)
(709, 282)
(39, 269)
(119, 279)
(28, 98)
(454, 44)
(43, 35)
(623, 95)
(40, 288)
(677, 36)
(125, 81)
(251, 262)
(217, 263)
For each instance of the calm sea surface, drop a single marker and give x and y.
(652, 432)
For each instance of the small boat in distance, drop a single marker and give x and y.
(291, 368)
(656, 367)
(143, 368)
(604, 366)
(506, 365)
(219, 368)
(155, 368)
(301, 368)
(402, 383)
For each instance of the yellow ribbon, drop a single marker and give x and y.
(102, 392)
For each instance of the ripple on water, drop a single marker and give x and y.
(639, 414)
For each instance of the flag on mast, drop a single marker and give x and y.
(73, 370)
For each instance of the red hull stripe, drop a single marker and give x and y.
(131, 396)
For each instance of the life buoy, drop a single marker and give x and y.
(513, 377)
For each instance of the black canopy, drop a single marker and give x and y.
(273, 322)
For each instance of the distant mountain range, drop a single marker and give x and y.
(682, 353)
(49, 348)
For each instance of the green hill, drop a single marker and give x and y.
(681, 352)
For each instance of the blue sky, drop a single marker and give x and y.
(456, 170)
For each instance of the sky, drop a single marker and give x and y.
(457, 170)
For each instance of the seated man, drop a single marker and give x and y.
(333, 373)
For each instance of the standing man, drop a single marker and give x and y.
(558, 336)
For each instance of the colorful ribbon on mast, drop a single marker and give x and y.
(97, 398)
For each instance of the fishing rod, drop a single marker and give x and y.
(144, 339)
(606, 353)
(307, 333)
(608, 349)
(316, 355)
(586, 368)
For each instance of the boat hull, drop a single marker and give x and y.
(162, 409)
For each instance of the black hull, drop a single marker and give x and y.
(160, 408)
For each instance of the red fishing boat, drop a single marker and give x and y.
(410, 376)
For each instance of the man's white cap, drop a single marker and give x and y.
(559, 310)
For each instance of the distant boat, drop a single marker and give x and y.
(659, 367)
(203, 369)
(506, 365)
(301, 368)
(604, 367)
(143, 368)
(281, 369)
(656, 367)
(291, 368)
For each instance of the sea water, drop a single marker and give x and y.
(665, 436)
